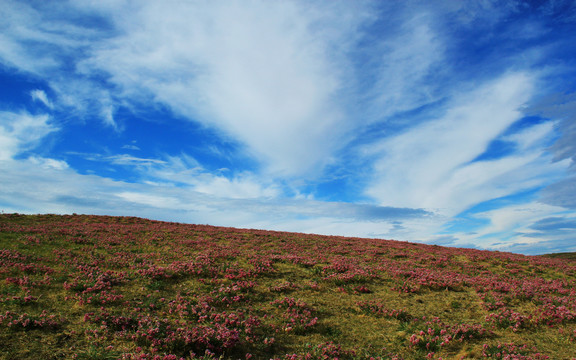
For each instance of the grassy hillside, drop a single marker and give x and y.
(565, 256)
(91, 287)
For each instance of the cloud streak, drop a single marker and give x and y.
(21, 131)
(436, 158)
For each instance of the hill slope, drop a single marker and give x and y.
(95, 287)
(565, 256)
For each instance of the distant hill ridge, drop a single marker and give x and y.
(564, 255)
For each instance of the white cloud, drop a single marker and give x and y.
(562, 193)
(534, 136)
(21, 131)
(81, 98)
(235, 188)
(46, 42)
(430, 166)
(516, 216)
(121, 159)
(15, 29)
(42, 39)
(156, 201)
(266, 73)
(407, 63)
(40, 95)
(186, 170)
(47, 163)
(130, 147)
(511, 227)
(107, 114)
(125, 159)
(562, 107)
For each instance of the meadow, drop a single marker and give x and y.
(99, 287)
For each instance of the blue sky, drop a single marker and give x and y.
(444, 122)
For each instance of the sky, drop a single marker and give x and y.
(442, 122)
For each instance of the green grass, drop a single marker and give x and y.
(90, 287)
(566, 256)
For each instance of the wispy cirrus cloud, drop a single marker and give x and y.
(22, 131)
(405, 65)
(530, 228)
(186, 172)
(40, 95)
(434, 161)
(561, 107)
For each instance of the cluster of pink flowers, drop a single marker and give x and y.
(362, 289)
(551, 314)
(284, 287)
(13, 259)
(324, 351)
(305, 261)
(233, 293)
(345, 271)
(298, 316)
(436, 335)
(506, 318)
(25, 321)
(377, 308)
(511, 352)
(217, 333)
